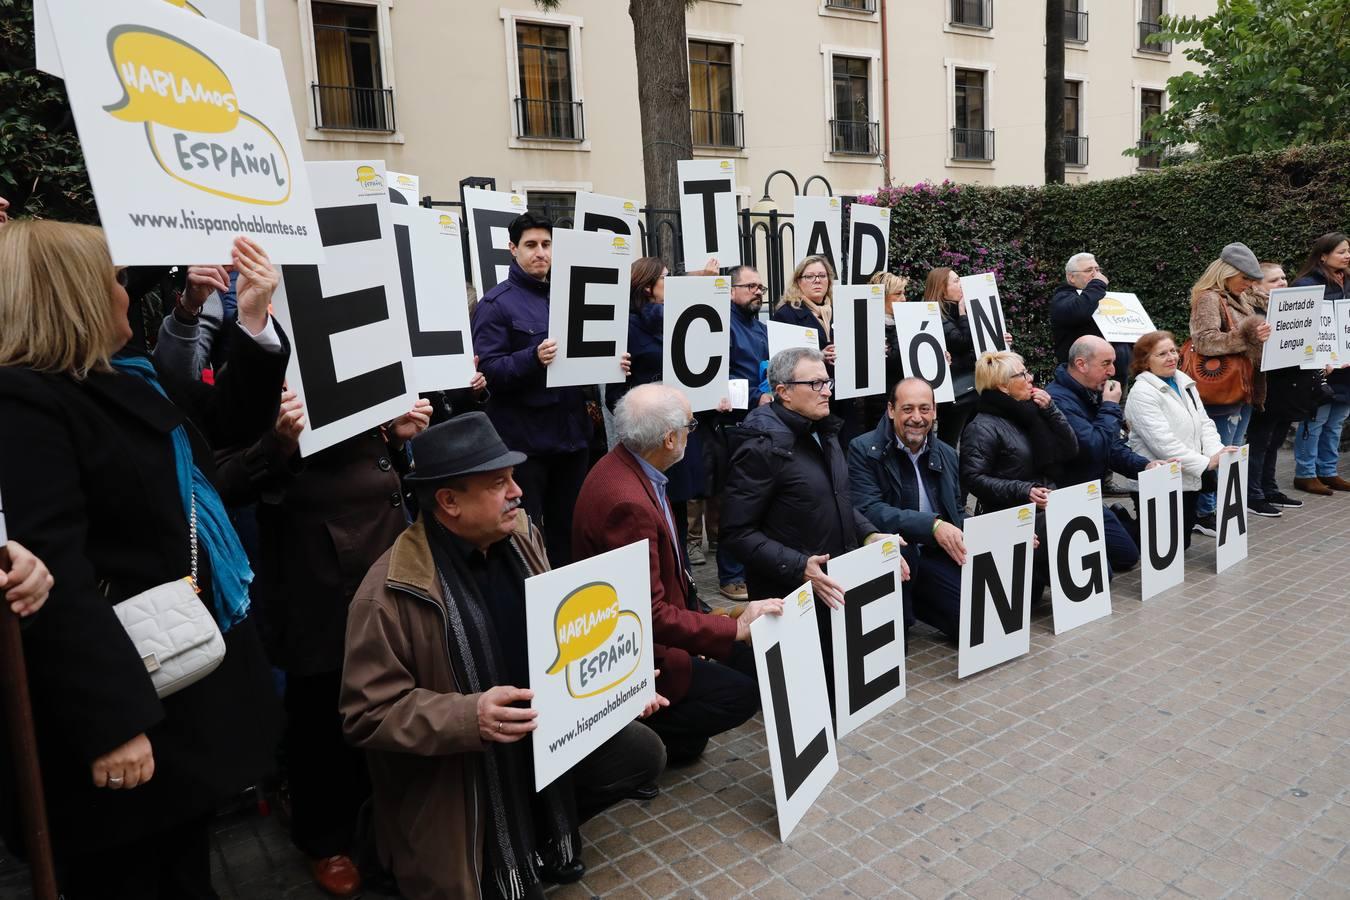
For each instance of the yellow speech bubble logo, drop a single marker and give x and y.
(446, 222)
(405, 181)
(628, 206)
(1110, 306)
(1023, 514)
(876, 290)
(932, 308)
(1174, 468)
(620, 243)
(517, 200)
(1092, 488)
(725, 164)
(887, 547)
(719, 283)
(366, 177)
(834, 203)
(183, 4)
(584, 620)
(170, 82)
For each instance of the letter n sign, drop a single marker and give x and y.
(996, 589)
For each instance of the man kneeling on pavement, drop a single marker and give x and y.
(435, 686)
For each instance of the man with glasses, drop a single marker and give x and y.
(706, 668)
(1073, 303)
(1088, 395)
(787, 507)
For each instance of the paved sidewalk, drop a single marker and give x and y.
(1192, 746)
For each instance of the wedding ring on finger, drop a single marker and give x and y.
(114, 781)
(499, 726)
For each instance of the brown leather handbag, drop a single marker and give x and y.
(1221, 380)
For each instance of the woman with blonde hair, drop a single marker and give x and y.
(1223, 323)
(894, 287)
(808, 302)
(106, 477)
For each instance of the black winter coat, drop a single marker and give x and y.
(89, 485)
(787, 498)
(997, 462)
(1340, 378)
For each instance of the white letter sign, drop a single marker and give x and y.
(589, 634)
(588, 306)
(404, 188)
(708, 212)
(696, 342)
(985, 311)
(487, 215)
(860, 340)
(1162, 554)
(869, 232)
(817, 229)
(923, 346)
(996, 589)
(1079, 588)
(187, 132)
(351, 363)
(1121, 318)
(868, 633)
(596, 212)
(1230, 544)
(1328, 346)
(1343, 329)
(1292, 315)
(222, 12)
(791, 673)
(783, 336)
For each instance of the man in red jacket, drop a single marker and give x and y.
(707, 669)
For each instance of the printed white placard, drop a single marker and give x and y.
(187, 133)
(802, 755)
(1292, 314)
(351, 361)
(996, 589)
(487, 215)
(1343, 330)
(4, 535)
(589, 634)
(1328, 346)
(1162, 551)
(868, 634)
(985, 312)
(869, 241)
(923, 346)
(738, 392)
(783, 336)
(588, 306)
(860, 340)
(1080, 587)
(222, 12)
(696, 338)
(1230, 511)
(597, 212)
(817, 229)
(708, 212)
(406, 189)
(1122, 318)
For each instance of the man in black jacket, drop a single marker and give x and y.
(1073, 303)
(787, 508)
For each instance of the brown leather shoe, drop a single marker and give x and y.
(1336, 483)
(336, 875)
(1312, 486)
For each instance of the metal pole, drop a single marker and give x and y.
(260, 17)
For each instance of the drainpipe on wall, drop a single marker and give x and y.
(885, 99)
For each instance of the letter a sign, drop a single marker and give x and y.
(996, 589)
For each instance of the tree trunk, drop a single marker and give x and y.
(1054, 91)
(663, 107)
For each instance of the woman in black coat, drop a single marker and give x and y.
(94, 460)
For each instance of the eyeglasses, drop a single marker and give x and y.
(751, 286)
(817, 385)
(821, 276)
(691, 425)
(1023, 374)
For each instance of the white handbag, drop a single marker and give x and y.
(173, 631)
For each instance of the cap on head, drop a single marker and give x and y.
(1240, 257)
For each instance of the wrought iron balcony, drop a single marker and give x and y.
(973, 13)
(347, 108)
(973, 143)
(1075, 150)
(1076, 26)
(552, 120)
(713, 128)
(1150, 28)
(855, 137)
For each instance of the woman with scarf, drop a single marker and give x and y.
(103, 464)
(1012, 449)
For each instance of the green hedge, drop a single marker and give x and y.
(1153, 233)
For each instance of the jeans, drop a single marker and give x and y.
(721, 696)
(1232, 431)
(1266, 435)
(1317, 447)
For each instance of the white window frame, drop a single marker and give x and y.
(1139, 88)
(828, 52)
(574, 24)
(856, 15)
(737, 43)
(968, 30)
(305, 10)
(988, 69)
(1169, 9)
(1082, 45)
(1082, 120)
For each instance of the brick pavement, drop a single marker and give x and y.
(1193, 746)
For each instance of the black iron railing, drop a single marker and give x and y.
(866, 6)
(973, 13)
(713, 128)
(353, 108)
(1075, 150)
(855, 137)
(1150, 28)
(1076, 26)
(1151, 154)
(973, 143)
(554, 120)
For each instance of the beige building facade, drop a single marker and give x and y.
(546, 103)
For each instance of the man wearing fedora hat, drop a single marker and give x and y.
(436, 689)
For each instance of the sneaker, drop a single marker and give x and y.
(735, 591)
(1262, 508)
(1205, 525)
(696, 555)
(1283, 500)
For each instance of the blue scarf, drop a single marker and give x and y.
(230, 572)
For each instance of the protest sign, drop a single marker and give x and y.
(4, 536)
(985, 312)
(596, 212)
(1327, 348)
(487, 215)
(783, 336)
(869, 230)
(405, 189)
(1122, 318)
(738, 392)
(708, 212)
(1162, 550)
(996, 589)
(868, 633)
(431, 266)
(589, 634)
(1230, 542)
(1080, 591)
(351, 360)
(696, 338)
(1292, 316)
(187, 134)
(860, 340)
(802, 755)
(1343, 330)
(588, 306)
(817, 229)
(923, 346)
(222, 12)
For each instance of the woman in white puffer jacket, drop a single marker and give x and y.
(1167, 418)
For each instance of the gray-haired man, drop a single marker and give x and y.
(1073, 303)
